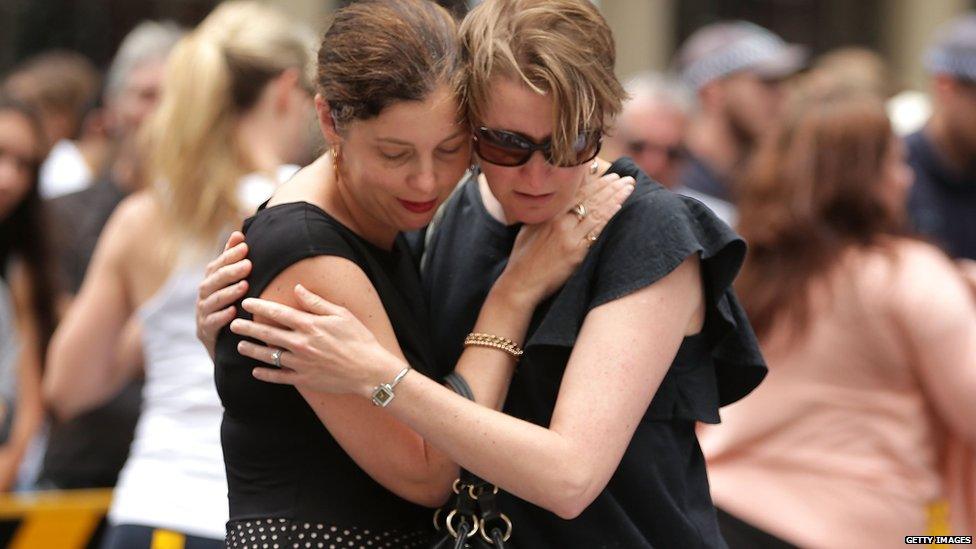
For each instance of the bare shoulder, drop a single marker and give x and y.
(913, 276)
(918, 252)
(137, 216)
(137, 209)
(304, 186)
(335, 278)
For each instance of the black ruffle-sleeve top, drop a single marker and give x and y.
(658, 496)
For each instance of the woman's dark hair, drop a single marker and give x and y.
(378, 52)
(23, 234)
(813, 191)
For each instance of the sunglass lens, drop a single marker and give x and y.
(501, 148)
(586, 147)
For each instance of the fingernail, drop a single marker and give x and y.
(247, 302)
(242, 283)
(234, 325)
(300, 288)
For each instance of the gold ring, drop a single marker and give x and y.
(591, 237)
(580, 210)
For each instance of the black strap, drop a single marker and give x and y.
(459, 385)
(487, 505)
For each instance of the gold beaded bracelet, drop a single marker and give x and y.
(495, 342)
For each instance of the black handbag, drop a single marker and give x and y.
(471, 519)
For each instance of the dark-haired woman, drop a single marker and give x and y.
(871, 343)
(27, 314)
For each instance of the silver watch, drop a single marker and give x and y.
(383, 393)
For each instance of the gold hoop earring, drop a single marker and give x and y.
(335, 159)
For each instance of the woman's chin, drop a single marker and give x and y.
(414, 224)
(532, 216)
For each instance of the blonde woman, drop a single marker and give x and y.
(596, 446)
(234, 107)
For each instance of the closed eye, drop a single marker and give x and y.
(451, 150)
(454, 144)
(393, 156)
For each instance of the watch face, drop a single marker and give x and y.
(382, 395)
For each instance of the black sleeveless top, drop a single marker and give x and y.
(281, 462)
(658, 496)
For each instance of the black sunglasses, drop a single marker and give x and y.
(507, 148)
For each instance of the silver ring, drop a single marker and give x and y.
(580, 210)
(276, 357)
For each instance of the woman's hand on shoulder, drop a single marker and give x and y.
(222, 286)
(546, 254)
(323, 348)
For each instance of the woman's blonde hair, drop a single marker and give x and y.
(214, 75)
(559, 47)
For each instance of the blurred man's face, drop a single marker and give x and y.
(958, 98)
(137, 99)
(652, 133)
(752, 104)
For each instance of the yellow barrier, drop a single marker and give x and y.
(57, 519)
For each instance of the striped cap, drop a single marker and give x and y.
(953, 51)
(720, 49)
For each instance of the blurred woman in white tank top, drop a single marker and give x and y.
(235, 111)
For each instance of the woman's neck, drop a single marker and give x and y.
(258, 144)
(317, 184)
(342, 204)
(492, 205)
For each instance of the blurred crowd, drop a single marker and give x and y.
(857, 199)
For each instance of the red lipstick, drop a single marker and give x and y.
(418, 207)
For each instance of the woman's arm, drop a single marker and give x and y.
(389, 451)
(84, 366)
(29, 411)
(937, 311)
(623, 351)
(544, 256)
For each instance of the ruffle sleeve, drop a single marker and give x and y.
(654, 232)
